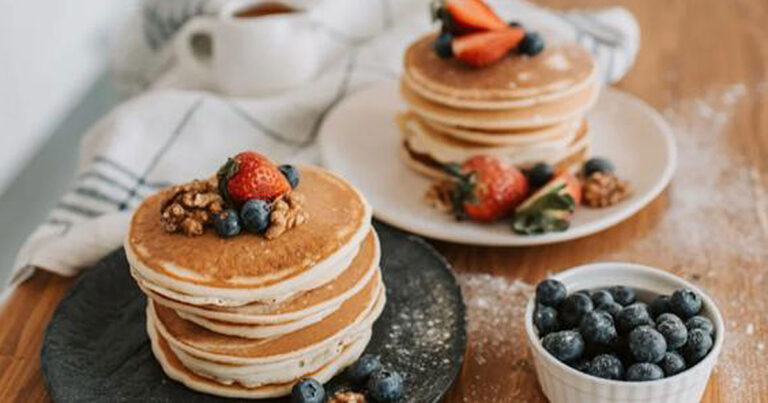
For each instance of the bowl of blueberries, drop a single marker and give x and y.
(621, 332)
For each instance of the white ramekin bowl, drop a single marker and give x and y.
(562, 383)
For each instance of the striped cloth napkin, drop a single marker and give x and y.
(174, 130)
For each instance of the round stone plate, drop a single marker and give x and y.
(96, 346)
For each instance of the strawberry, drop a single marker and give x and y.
(486, 189)
(550, 208)
(471, 16)
(250, 175)
(484, 48)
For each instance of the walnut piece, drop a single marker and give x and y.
(287, 212)
(347, 397)
(440, 195)
(604, 189)
(189, 207)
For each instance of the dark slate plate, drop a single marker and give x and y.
(96, 347)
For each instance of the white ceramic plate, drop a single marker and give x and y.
(360, 141)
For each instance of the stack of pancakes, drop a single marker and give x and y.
(246, 316)
(522, 109)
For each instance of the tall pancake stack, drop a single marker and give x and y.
(247, 316)
(521, 109)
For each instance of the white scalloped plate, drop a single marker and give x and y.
(360, 141)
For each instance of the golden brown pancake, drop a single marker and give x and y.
(362, 268)
(560, 67)
(428, 166)
(338, 217)
(197, 340)
(536, 116)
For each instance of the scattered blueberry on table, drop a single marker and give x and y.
(613, 334)
(361, 370)
(385, 386)
(308, 390)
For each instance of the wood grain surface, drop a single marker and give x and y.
(703, 63)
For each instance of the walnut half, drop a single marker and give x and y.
(604, 189)
(189, 207)
(287, 212)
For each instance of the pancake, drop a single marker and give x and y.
(423, 139)
(516, 81)
(427, 151)
(506, 137)
(262, 331)
(318, 301)
(536, 116)
(236, 271)
(355, 314)
(173, 367)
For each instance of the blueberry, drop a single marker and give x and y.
(664, 317)
(585, 292)
(581, 365)
(601, 297)
(291, 174)
(255, 215)
(612, 308)
(566, 345)
(647, 344)
(361, 370)
(227, 223)
(540, 174)
(659, 305)
(573, 309)
(597, 327)
(623, 295)
(545, 319)
(606, 366)
(672, 363)
(308, 390)
(698, 346)
(674, 333)
(550, 292)
(633, 316)
(444, 45)
(385, 385)
(597, 164)
(685, 303)
(700, 322)
(532, 44)
(643, 371)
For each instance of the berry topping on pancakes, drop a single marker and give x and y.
(250, 175)
(485, 48)
(472, 16)
(473, 33)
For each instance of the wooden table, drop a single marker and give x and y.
(703, 63)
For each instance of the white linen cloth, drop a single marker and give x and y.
(175, 131)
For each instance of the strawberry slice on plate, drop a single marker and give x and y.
(486, 188)
(473, 15)
(485, 48)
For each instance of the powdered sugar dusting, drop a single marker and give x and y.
(497, 346)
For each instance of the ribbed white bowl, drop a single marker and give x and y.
(562, 383)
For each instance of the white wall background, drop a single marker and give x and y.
(51, 51)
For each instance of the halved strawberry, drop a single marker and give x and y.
(550, 208)
(486, 188)
(484, 48)
(472, 15)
